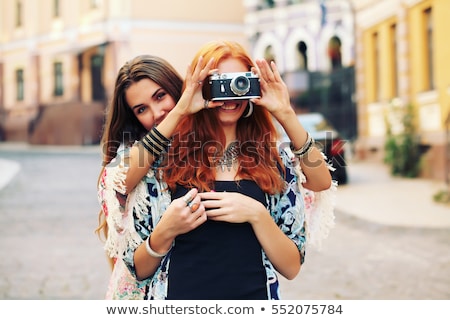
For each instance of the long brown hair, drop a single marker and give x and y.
(121, 125)
(189, 160)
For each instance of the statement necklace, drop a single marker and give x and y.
(229, 157)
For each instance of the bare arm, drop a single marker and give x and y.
(280, 250)
(191, 101)
(275, 98)
(313, 164)
(177, 219)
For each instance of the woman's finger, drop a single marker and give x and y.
(266, 72)
(211, 195)
(198, 69)
(206, 70)
(276, 73)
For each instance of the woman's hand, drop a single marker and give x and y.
(191, 100)
(231, 207)
(237, 208)
(180, 217)
(274, 92)
(183, 215)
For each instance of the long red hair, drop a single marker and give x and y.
(200, 135)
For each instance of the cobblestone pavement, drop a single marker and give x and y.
(48, 214)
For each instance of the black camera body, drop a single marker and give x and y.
(231, 86)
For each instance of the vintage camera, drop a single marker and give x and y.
(231, 86)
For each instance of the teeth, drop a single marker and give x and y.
(229, 107)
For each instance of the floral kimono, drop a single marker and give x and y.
(304, 216)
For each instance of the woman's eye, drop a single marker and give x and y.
(160, 95)
(140, 110)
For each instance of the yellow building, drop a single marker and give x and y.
(59, 58)
(402, 58)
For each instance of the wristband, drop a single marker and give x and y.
(155, 143)
(303, 150)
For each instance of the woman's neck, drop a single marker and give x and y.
(230, 135)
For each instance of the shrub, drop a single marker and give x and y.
(402, 150)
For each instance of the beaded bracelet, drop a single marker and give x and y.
(303, 150)
(155, 143)
(153, 253)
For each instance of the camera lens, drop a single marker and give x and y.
(240, 85)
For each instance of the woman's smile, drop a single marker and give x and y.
(227, 106)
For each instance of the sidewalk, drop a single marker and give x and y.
(374, 195)
(8, 169)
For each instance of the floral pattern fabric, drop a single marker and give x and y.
(132, 219)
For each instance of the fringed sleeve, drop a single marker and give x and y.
(319, 208)
(119, 207)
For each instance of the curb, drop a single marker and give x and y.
(8, 170)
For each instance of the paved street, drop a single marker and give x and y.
(48, 214)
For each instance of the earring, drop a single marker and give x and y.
(250, 109)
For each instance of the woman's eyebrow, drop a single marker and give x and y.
(153, 95)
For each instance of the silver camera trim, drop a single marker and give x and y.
(232, 76)
(234, 87)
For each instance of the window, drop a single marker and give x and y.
(266, 4)
(95, 4)
(302, 50)
(376, 67)
(18, 13)
(394, 66)
(268, 54)
(56, 8)
(19, 85)
(334, 52)
(270, 3)
(98, 91)
(58, 79)
(429, 63)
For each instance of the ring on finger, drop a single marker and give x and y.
(187, 198)
(200, 82)
(194, 206)
(205, 104)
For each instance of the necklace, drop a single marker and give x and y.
(229, 157)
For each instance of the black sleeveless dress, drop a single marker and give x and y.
(219, 260)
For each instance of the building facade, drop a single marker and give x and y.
(299, 34)
(312, 42)
(402, 60)
(59, 58)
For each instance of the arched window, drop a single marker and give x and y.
(268, 54)
(302, 48)
(334, 52)
(19, 14)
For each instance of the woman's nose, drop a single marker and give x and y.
(159, 115)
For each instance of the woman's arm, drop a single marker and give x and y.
(177, 219)
(275, 98)
(281, 251)
(191, 101)
(313, 163)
